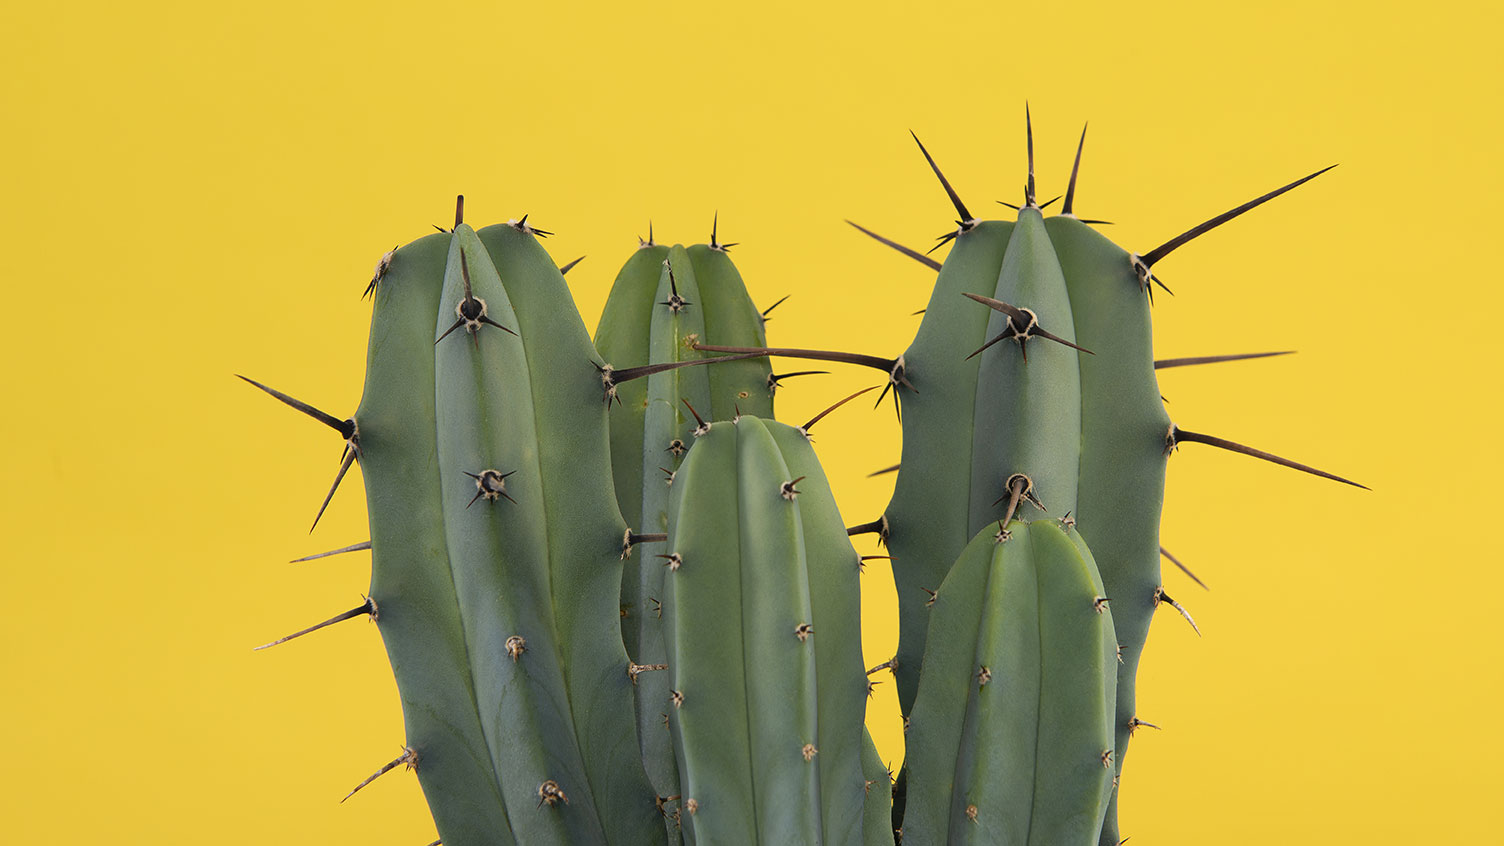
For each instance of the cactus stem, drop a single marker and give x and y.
(967, 221)
(490, 484)
(884, 471)
(1162, 363)
(1178, 435)
(381, 268)
(351, 453)
(1169, 246)
(879, 526)
(1135, 724)
(1161, 596)
(354, 547)
(521, 226)
(1069, 209)
(908, 251)
(346, 428)
(774, 379)
(368, 607)
(1016, 317)
(641, 244)
(714, 227)
(1183, 568)
(816, 419)
(409, 757)
(566, 268)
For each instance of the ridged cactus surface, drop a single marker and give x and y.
(664, 300)
(1011, 733)
(762, 616)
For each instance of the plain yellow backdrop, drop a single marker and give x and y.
(195, 190)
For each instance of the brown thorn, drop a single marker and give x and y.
(630, 373)
(884, 364)
(1183, 568)
(566, 268)
(1029, 135)
(354, 547)
(878, 526)
(1162, 363)
(346, 428)
(698, 419)
(1161, 596)
(1169, 246)
(886, 665)
(892, 469)
(816, 419)
(344, 467)
(459, 210)
(765, 311)
(1070, 192)
(409, 757)
(908, 251)
(1177, 435)
(367, 607)
(955, 200)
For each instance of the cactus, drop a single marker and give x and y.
(1077, 412)
(664, 299)
(1012, 726)
(761, 617)
(495, 545)
(1033, 428)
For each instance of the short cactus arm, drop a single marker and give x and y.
(1031, 760)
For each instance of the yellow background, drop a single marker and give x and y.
(192, 190)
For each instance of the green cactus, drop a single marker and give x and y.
(554, 695)
(761, 616)
(1084, 424)
(1012, 730)
(664, 299)
(495, 545)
